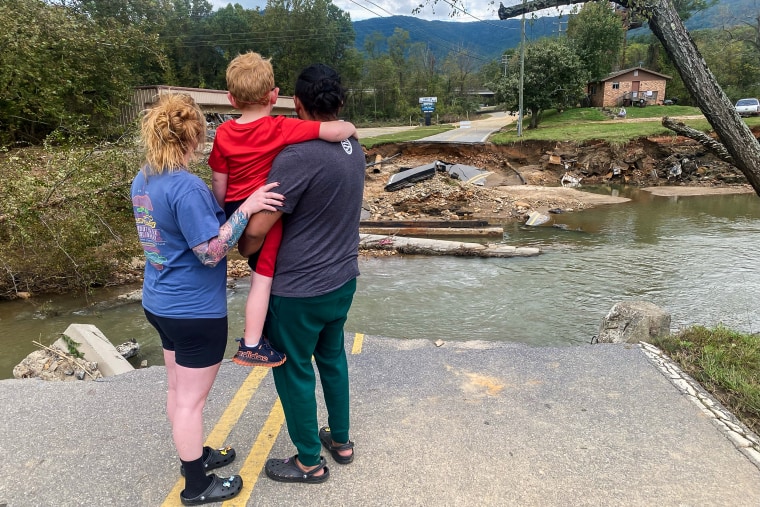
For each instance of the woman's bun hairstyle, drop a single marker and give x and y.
(319, 89)
(170, 129)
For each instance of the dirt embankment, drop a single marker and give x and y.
(527, 176)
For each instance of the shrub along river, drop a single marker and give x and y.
(696, 257)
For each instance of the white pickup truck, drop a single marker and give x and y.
(748, 107)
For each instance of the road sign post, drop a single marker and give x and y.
(427, 106)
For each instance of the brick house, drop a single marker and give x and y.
(636, 86)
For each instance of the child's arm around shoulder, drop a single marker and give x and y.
(336, 131)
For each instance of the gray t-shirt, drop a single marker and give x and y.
(323, 184)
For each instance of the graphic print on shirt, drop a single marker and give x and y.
(347, 146)
(150, 237)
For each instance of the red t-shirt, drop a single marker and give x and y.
(245, 151)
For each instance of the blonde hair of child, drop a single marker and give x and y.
(171, 129)
(250, 78)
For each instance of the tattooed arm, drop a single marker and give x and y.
(212, 251)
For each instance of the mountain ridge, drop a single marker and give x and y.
(487, 40)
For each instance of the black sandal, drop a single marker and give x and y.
(216, 458)
(220, 489)
(287, 470)
(326, 438)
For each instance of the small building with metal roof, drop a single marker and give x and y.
(210, 101)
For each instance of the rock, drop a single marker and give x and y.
(48, 365)
(632, 322)
(128, 349)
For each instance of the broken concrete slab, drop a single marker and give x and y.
(94, 346)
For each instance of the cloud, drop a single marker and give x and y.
(365, 9)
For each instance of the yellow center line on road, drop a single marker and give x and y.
(251, 469)
(224, 425)
(358, 342)
(256, 459)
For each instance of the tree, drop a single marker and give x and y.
(298, 33)
(65, 71)
(668, 27)
(596, 33)
(554, 78)
(460, 70)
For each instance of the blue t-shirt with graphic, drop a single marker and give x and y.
(175, 212)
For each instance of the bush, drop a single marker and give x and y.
(65, 217)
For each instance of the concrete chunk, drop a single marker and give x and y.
(95, 347)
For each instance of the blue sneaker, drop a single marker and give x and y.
(260, 355)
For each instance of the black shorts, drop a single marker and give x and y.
(196, 343)
(229, 209)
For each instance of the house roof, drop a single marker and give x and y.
(205, 97)
(626, 71)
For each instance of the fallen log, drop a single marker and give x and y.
(708, 142)
(434, 231)
(425, 246)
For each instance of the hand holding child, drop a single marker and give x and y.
(262, 199)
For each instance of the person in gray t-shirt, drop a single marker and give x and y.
(314, 279)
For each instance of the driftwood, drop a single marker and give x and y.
(424, 246)
(708, 142)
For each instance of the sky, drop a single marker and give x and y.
(481, 10)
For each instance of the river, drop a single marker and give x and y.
(696, 257)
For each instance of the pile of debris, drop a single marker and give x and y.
(52, 363)
(81, 353)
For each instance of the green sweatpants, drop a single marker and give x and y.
(302, 328)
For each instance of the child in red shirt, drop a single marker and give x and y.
(240, 159)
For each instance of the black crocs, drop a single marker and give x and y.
(287, 470)
(220, 489)
(326, 438)
(216, 458)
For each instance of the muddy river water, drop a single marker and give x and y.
(696, 257)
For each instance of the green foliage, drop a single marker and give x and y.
(297, 34)
(725, 362)
(65, 71)
(597, 34)
(554, 77)
(73, 205)
(72, 347)
(734, 58)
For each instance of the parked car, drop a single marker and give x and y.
(747, 107)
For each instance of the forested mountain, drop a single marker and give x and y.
(484, 40)
(487, 40)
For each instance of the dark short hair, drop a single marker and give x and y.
(319, 89)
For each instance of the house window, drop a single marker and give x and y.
(615, 86)
(635, 72)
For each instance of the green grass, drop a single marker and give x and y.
(726, 363)
(406, 135)
(586, 124)
(579, 125)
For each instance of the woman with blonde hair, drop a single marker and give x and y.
(185, 238)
